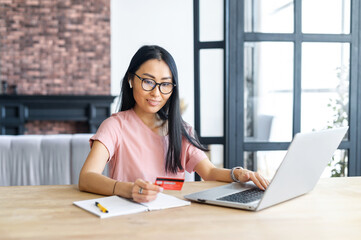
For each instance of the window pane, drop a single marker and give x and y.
(215, 154)
(269, 16)
(325, 16)
(269, 161)
(268, 91)
(338, 166)
(325, 85)
(211, 20)
(211, 83)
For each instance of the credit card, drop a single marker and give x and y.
(170, 183)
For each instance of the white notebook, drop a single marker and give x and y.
(121, 206)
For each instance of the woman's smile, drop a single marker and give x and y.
(153, 103)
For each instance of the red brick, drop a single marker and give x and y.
(55, 47)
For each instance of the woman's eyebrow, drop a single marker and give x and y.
(149, 75)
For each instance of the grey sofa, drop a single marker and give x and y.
(45, 159)
(42, 159)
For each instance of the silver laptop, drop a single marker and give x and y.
(306, 159)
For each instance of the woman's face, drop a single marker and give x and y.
(151, 101)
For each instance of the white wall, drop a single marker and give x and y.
(167, 23)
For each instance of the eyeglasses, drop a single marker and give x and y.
(150, 84)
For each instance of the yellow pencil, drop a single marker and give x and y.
(103, 209)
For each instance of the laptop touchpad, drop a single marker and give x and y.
(214, 193)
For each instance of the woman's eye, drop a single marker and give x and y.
(149, 81)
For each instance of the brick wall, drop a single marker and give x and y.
(55, 46)
(56, 127)
(52, 47)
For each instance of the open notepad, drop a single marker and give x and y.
(120, 206)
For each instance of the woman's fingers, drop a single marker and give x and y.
(147, 186)
(255, 177)
(266, 181)
(256, 181)
(259, 180)
(145, 191)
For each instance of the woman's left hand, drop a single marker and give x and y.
(245, 175)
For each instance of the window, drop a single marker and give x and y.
(291, 66)
(209, 80)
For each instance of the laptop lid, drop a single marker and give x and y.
(305, 160)
(302, 166)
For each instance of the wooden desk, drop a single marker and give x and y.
(331, 211)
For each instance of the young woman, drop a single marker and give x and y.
(148, 138)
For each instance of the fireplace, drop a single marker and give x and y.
(52, 114)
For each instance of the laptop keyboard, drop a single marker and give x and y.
(244, 196)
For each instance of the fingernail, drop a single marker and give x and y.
(161, 189)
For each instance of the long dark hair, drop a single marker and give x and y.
(170, 111)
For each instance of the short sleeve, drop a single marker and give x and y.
(107, 135)
(194, 156)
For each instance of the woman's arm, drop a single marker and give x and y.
(209, 172)
(92, 180)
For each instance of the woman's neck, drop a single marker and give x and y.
(152, 120)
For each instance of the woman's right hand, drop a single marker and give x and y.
(143, 191)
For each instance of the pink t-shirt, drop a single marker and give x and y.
(137, 152)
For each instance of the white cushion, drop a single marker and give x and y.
(25, 160)
(55, 159)
(5, 144)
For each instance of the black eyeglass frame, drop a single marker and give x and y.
(155, 84)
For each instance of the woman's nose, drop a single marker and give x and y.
(155, 91)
